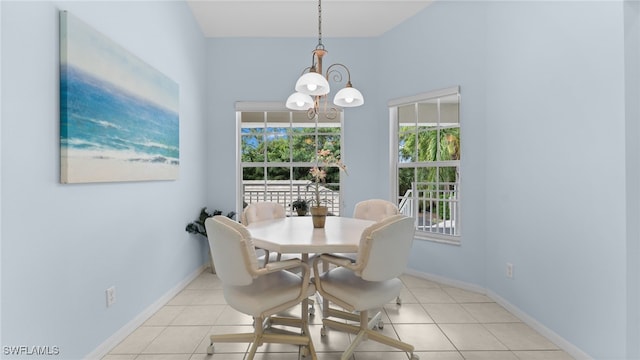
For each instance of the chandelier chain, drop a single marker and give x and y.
(319, 22)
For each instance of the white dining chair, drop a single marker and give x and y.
(263, 210)
(374, 209)
(367, 283)
(267, 210)
(260, 211)
(260, 292)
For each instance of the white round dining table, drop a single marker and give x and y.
(296, 234)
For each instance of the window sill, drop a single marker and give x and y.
(442, 239)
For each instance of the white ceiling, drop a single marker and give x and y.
(299, 18)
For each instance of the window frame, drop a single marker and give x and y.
(266, 107)
(394, 162)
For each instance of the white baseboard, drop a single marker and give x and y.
(558, 340)
(104, 348)
(447, 281)
(561, 342)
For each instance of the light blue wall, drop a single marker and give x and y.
(543, 113)
(63, 245)
(556, 167)
(443, 46)
(632, 77)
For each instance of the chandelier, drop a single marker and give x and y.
(312, 87)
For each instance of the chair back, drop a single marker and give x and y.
(260, 211)
(232, 250)
(374, 209)
(384, 248)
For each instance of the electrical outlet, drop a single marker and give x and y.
(111, 296)
(510, 270)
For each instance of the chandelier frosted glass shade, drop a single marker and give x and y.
(299, 101)
(348, 97)
(312, 83)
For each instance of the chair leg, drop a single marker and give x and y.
(272, 335)
(362, 335)
(284, 336)
(365, 331)
(375, 320)
(226, 338)
(258, 326)
(252, 352)
(312, 349)
(378, 337)
(312, 309)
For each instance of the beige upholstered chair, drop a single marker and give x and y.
(258, 291)
(260, 211)
(369, 282)
(374, 209)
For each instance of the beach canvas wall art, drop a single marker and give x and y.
(119, 117)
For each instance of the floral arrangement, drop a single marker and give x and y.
(323, 159)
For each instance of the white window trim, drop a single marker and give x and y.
(393, 159)
(266, 106)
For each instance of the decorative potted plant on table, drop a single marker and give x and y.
(324, 158)
(301, 206)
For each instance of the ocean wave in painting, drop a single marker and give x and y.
(104, 121)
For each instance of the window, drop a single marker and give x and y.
(425, 138)
(277, 148)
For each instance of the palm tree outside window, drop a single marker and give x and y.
(426, 137)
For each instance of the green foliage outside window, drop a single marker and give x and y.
(284, 145)
(429, 144)
(424, 146)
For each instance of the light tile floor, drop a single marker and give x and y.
(442, 322)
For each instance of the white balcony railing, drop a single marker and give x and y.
(434, 206)
(285, 192)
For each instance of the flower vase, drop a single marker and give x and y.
(319, 215)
